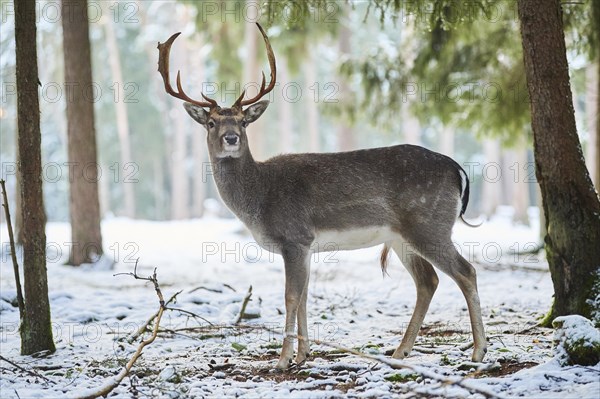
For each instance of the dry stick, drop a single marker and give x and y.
(244, 304)
(189, 313)
(31, 372)
(13, 252)
(141, 330)
(114, 382)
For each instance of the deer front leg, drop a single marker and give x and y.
(303, 342)
(296, 261)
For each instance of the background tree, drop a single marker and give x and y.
(121, 112)
(36, 327)
(570, 202)
(84, 202)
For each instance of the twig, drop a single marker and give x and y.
(112, 383)
(141, 330)
(30, 372)
(218, 291)
(189, 313)
(207, 289)
(13, 251)
(230, 287)
(244, 304)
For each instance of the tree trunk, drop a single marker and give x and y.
(18, 206)
(592, 110)
(491, 181)
(447, 141)
(199, 174)
(312, 112)
(285, 111)
(597, 141)
(114, 59)
(36, 327)
(520, 185)
(251, 72)
(345, 133)
(411, 126)
(179, 178)
(86, 238)
(180, 188)
(570, 203)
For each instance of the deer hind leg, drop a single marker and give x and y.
(426, 281)
(297, 265)
(463, 273)
(445, 257)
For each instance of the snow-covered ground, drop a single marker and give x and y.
(350, 305)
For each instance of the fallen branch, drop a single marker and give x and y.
(30, 372)
(113, 382)
(244, 304)
(13, 251)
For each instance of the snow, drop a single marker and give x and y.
(350, 304)
(574, 331)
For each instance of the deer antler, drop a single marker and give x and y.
(239, 102)
(163, 68)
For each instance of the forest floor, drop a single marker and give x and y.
(213, 262)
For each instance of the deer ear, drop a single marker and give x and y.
(254, 111)
(198, 113)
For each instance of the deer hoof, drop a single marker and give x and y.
(301, 358)
(478, 354)
(283, 364)
(400, 353)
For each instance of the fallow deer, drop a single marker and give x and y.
(405, 197)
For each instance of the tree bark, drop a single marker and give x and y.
(447, 141)
(285, 110)
(570, 203)
(491, 185)
(36, 327)
(121, 113)
(345, 133)
(18, 206)
(520, 185)
(83, 174)
(199, 174)
(180, 187)
(312, 112)
(179, 177)
(411, 126)
(251, 72)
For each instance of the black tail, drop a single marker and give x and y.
(465, 193)
(465, 198)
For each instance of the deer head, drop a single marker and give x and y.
(226, 127)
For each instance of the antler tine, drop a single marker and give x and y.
(273, 68)
(163, 68)
(237, 103)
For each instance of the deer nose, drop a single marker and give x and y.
(231, 138)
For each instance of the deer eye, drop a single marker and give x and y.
(211, 124)
(244, 123)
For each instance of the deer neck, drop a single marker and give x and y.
(239, 184)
